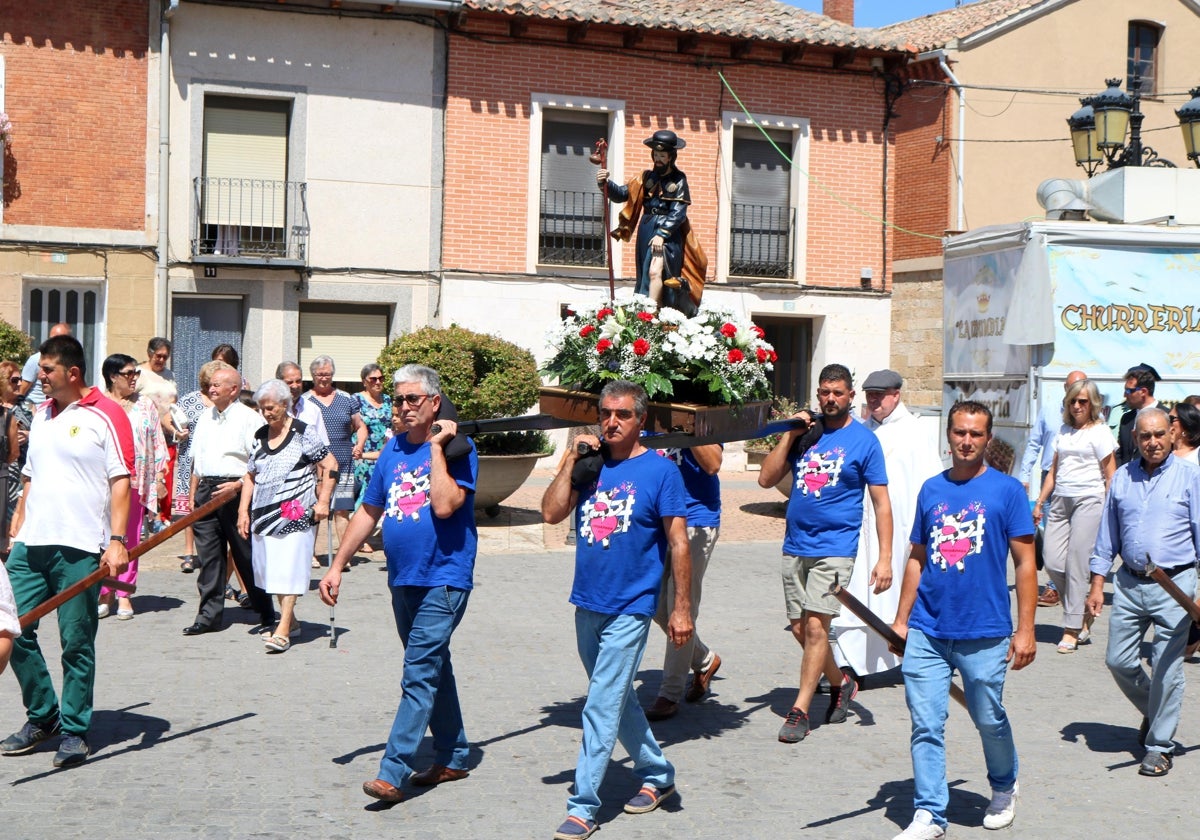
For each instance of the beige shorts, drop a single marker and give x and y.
(806, 582)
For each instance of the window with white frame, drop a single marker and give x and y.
(79, 305)
(762, 197)
(244, 198)
(566, 205)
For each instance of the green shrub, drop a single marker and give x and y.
(483, 375)
(15, 346)
(782, 409)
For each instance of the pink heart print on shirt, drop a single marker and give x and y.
(410, 503)
(955, 551)
(603, 526)
(814, 481)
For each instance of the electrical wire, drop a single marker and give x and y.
(813, 179)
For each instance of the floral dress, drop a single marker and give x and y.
(379, 428)
(149, 449)
(192, 406)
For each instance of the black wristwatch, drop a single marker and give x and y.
(117, 538)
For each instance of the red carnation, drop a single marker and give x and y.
(774, 356)
(603, 345)
(641, 347)
(603, 313)
(735, 356)
(586, 331)
(728, 330)
(758, 331)
(645, 316)
(762, 355)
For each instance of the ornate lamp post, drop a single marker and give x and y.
(1098, 129)
(1189, 122)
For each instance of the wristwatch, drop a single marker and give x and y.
(117, 538)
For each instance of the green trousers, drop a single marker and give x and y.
(38, 573)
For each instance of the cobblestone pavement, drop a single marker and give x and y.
(209, 737)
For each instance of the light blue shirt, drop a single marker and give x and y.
(1150, 517)
(1041, 439)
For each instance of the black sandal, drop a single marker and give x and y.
(188, 565)
(232, 594)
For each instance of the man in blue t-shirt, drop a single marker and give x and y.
(698, 466)
(626, 516)
(429, 540)
(824, 517)
(954, 611)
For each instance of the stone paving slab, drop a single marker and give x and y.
(208, 737)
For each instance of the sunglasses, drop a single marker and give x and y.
(1083, 401)
(411, 399)
(1129, 391)
(374, 379)
(130, 374)
(14, 380)
(1171, 418)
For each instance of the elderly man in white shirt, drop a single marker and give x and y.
(222, 441)
(303, 410)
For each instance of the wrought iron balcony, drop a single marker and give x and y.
(761, 241)
(571, 228)
(250, 219)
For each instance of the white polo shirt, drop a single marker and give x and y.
(73, 454)
(223, 440)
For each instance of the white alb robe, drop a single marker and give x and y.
(910, 458)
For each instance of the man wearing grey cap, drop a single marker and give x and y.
(911, 457)
(670, 263)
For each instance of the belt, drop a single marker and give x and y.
(214, 480)
(1171, 572)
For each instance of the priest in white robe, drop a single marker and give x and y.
(911, 456)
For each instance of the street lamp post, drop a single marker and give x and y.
(1189, 121)
(1098, 129)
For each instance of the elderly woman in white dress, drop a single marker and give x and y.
(282, 504)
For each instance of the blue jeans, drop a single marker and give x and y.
(928, 665)
(426, 618)
(610, 647)
(1137, 604)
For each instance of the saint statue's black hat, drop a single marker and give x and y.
(665, 140)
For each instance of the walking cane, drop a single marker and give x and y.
(599, 156)
(101, 574)
(332, 608)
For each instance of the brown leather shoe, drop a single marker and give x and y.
(1048, 598)
(383, 791)
(700, 681)
(661, 709)
(437, 774)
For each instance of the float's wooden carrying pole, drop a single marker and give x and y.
(49, 606)
(884, 630)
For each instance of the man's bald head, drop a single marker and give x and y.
(1073, 377)
(61, 328)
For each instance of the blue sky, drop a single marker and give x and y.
(883, 12)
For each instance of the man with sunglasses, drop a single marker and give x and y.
(626, 516)
(1139, 394)
(425, 497)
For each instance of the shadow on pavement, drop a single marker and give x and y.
(155, 603)
(775, 510)
(116, 726)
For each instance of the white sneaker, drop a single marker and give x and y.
(922, 828)
(102, 611)
(1002, 809)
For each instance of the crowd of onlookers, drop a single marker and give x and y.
(164, 415)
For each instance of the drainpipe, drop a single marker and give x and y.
(161, 292)
(941, 57)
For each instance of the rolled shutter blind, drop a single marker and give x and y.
(249, 148)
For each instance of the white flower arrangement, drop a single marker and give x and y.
(5, 130)
(714, 357)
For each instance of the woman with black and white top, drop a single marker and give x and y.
(281, 505)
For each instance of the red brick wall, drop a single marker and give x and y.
(924, 170)
(487, 156)
(75, 90)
